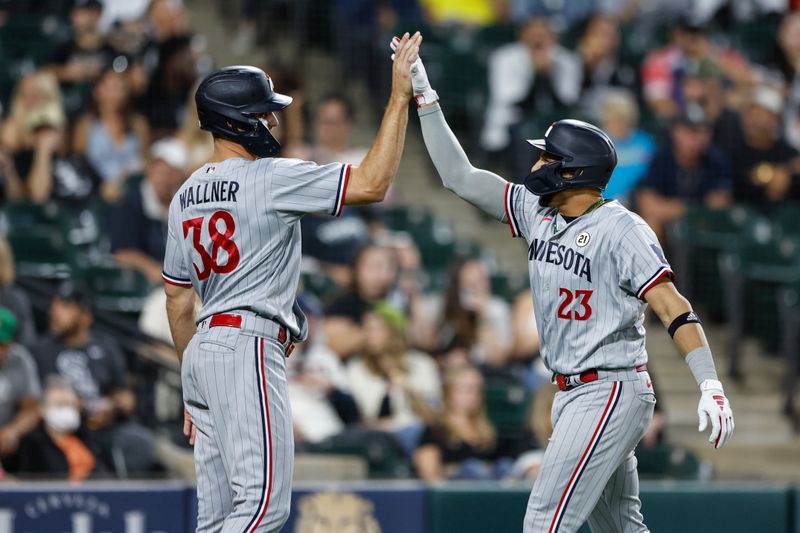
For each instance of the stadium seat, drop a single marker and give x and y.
(666, 462)
(695, 245)
(765, 261)
(116, 288)
(320, 285)
(41, 252)
(507, 404)
(384, 455)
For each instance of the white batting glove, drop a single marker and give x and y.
(715, 406)
(423, 93)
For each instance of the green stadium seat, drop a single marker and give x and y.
(320, 285)
(383, 454)
(507, 405)
(666, 462)
(116, 288)
(41, 252)
(764, 262)
(695, 245)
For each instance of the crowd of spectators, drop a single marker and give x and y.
(108, 124)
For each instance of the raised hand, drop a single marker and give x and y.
(407, 51)
(423, 93)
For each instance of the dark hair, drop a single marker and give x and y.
(127, 111)
(458, 327)
(349, 108)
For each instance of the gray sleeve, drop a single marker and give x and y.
(31, 386)
(175, 271)
(640, 259)
(481, 188)
(302, 187)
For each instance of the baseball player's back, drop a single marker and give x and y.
(234, 233)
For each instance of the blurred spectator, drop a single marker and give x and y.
(78, 62)
(462, 444)
(14, 298)
(138, 225)
(333, 129)
(199, 143)
(619, 117)
(464, 12)
(334, 242)
(35, 135)
(703, 85)
(374, 278)
(532, 75)
(111, 135)
(688, 170)
(95, 367)
(60, 446)
(319, 392)
(396, 389)
(166, 19)
(475, 326)
(785, 64)
(562, 14)
(763, 163)
(164, 103)
(19, 391)
(663, 69)
(598, 48)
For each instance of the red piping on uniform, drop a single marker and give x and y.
(665, 272)
(585, 453)
(505, 207)
(269, 438)
(176, 283)
(344, 190)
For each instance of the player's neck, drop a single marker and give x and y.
(225, 149)
(575, 202)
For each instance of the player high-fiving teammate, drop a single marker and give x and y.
(234, 239)
(594, 266)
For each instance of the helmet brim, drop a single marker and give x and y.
(281, 101)
(276, 102)
(541, 144)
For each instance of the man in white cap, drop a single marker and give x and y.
(139, 222)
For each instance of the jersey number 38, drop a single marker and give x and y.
(219, 241)
(583, 311)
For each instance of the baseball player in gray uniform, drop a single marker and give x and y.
(594, 267)
(234, 239)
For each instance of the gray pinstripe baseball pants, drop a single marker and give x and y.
(234, 385)
(589, 470)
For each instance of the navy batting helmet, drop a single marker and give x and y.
(227, 101)
(584, 150)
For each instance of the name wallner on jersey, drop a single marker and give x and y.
(558, 254)
(216, 191)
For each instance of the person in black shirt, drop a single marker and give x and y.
(375, 276)
(78, 62)
(95, 367)
(139, 223)
(763, 163)
(464, 444)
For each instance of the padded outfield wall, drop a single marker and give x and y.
(391, 507)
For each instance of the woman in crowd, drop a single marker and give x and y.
(111, 136)
(462, 443)
(475, 325)
(396, 389)
(32, 133)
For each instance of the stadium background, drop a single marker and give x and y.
(98, 121)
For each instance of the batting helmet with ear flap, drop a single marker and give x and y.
(227, 102)
(583, 151)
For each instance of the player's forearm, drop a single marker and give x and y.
(372, 178)
(479, 187)
(181, 315)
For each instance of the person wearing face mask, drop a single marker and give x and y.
(59, 446)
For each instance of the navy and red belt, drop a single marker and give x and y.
(235, 321)
(570, 382)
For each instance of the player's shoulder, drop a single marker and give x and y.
(622, 221)
(290, 166)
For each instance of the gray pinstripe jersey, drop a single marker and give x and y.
(234, 232)
(588, 280)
